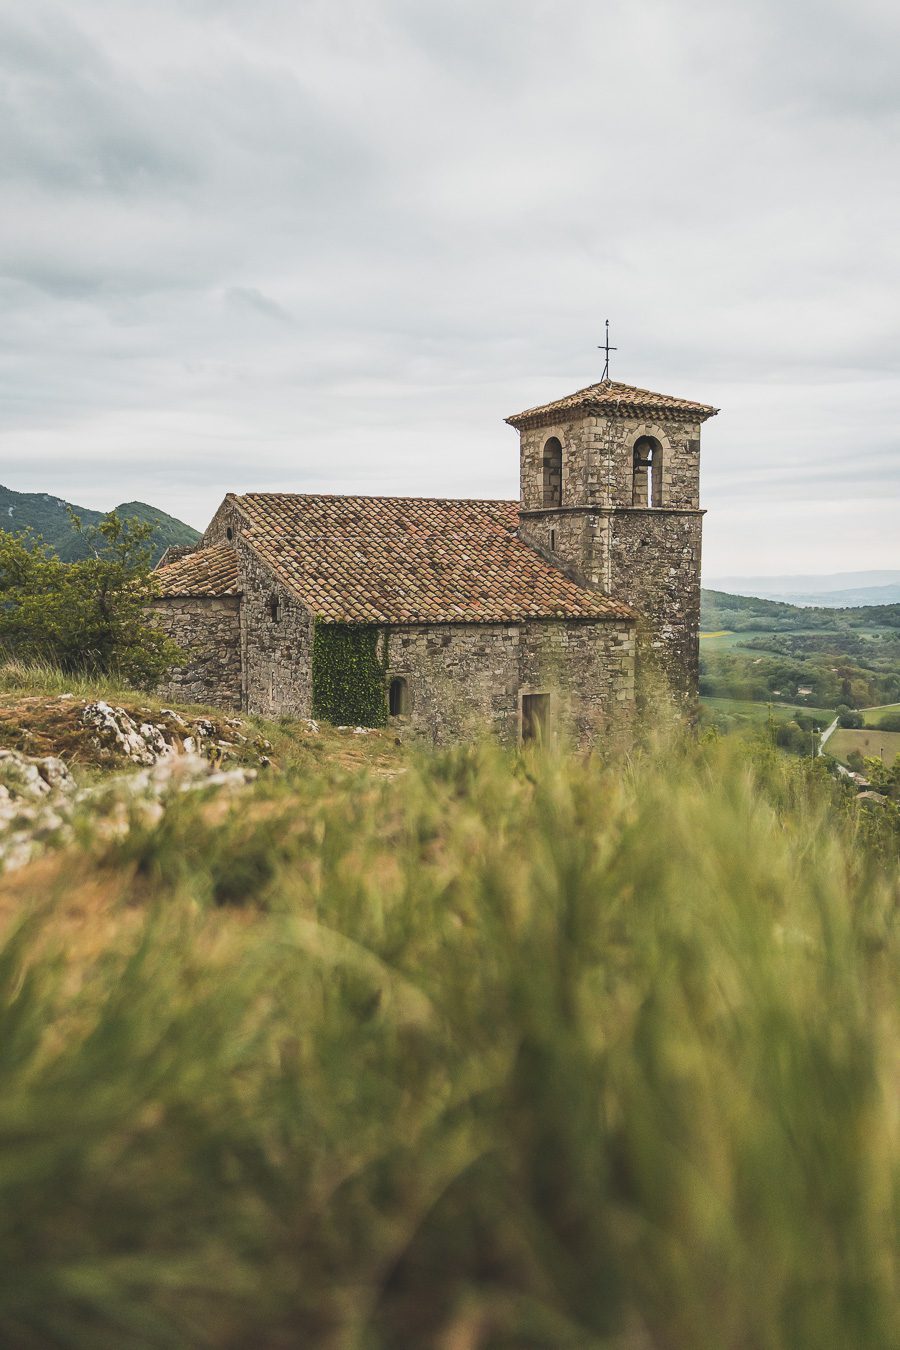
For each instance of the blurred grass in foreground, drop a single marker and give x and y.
(499, 1053)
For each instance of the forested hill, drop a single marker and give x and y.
(48, 517)
(749, 614)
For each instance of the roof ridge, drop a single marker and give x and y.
(380, 497)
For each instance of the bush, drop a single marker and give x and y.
(848, 717)
(791, 736)
(889, 722)
(86, 617)
(496, 1053)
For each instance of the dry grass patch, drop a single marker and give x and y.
(869, 742)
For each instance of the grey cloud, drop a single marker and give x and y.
(250, 298)
(70, 121)
(334, 244)
(850, 56)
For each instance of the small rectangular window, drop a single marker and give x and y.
(535, 717)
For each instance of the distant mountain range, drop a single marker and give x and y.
(834, 591)
(48, 517)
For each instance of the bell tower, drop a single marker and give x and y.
(610, 493)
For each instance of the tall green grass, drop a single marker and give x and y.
(37, 677)
(533, 1053)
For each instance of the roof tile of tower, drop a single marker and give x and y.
(411, 560)
(612, 399)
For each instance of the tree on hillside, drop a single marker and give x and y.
(884, 777)
(90, 616)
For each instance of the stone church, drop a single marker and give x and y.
(540, 617)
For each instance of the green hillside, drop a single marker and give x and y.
(767, 652)
(48, 517)
(749, 613)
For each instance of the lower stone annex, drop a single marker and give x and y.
(519, 619)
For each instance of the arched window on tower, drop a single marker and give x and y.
(647, 480)
(553, 472)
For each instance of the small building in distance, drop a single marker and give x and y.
(459, 617)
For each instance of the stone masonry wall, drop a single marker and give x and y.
(573, 539)
(466, 680)
(217, 531)
(597, 461)
(655, 566)
(277, 651)
(209, 632)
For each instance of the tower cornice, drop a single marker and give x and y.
(611, 399)
(599, 509)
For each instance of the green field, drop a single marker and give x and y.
(869, 742)
(716, 642)
(726, 640)
(840, 662)
(759, 712)
(872, 716)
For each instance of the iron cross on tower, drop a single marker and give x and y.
(607, 348)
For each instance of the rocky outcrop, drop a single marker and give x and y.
(40, 800)
(118, 735)
(36, 798)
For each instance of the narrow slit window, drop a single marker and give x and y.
(275, 609)
(398, 697)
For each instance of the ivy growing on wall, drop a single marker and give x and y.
(348, 676)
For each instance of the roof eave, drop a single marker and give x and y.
(623, 614)
(542, 417)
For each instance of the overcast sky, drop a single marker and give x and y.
(328, 245)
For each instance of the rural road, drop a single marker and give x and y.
(828, 730)
(826, 733)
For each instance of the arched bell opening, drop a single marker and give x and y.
(647, 472)
(553, 472)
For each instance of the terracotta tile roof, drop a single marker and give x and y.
(411, 560)
(612, 399)
(208, 571)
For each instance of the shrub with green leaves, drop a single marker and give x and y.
(86, 617)
(496, 1053)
